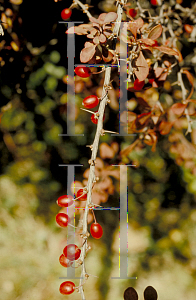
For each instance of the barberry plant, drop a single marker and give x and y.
(153, 54)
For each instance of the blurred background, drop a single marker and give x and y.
(161, 189)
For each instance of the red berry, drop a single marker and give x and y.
(65, 201)
(96, 230)
(66, 13)
(90, 101)
(188, 28)
(155, 43)
(72, 252)
(132, 12)
(62, 219)
(151, 80)
(154, 2)
(64, 261)
(138, 85)
(83, 72)
(67, 288)
(95, 120)
(81, 195)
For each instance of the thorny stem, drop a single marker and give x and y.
(84, 8)
(92, 177)
(184, 92)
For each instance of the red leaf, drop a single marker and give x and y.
(102, 38)
(166, 50)
(96, 40)
(107, 56)
(142, 66)
(165, 127)
(155, 32)
(139, 23)
(135, 25)
(71, 30)
(87, 53)
(158, 71)
(106, 151)
(80, 30)
(127, 117)
(151, 140)
(101, 18)
(178, 108)
(163, 76)
(94, 20)
(148, 42)
(191, 80)
(127, 150)
(189, 76)
(110, 17)
(144, 117)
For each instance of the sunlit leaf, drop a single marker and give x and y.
(110, 17)
(165, 127)
(142, 67)
(166, 50)
(191, 80)
(87, 53)
(155, 32)
(178, 108)
(127, 150)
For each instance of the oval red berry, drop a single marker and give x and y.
(65, 201)
(138, 85)
(67, 288)
(95, 120)
(66, 13)
(81, 195)
(188, 28)
(90, 101)
(132, 12)
(72, 252)
(62, 219)
(96, 230)
(64, 261)
(83, 72)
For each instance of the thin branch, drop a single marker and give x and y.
(84, 8)
(94, 148)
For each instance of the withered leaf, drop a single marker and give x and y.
(166, 50)
(135, 25)
(155, 32)
(127, 150)
(106, 151)
(87, 53)
(158, 71)
(142, 67)
(165, 127)
(110, 17)
(178, 108)
(191, 80)
(148, 41)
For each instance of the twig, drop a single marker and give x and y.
(84, 8)
(94, 148)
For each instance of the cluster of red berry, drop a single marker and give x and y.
(92, 100)
(72, 252)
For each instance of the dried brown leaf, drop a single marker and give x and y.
(155, 32)
(87, 54)
(166, 50)
(142, 67)
(178, 108)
